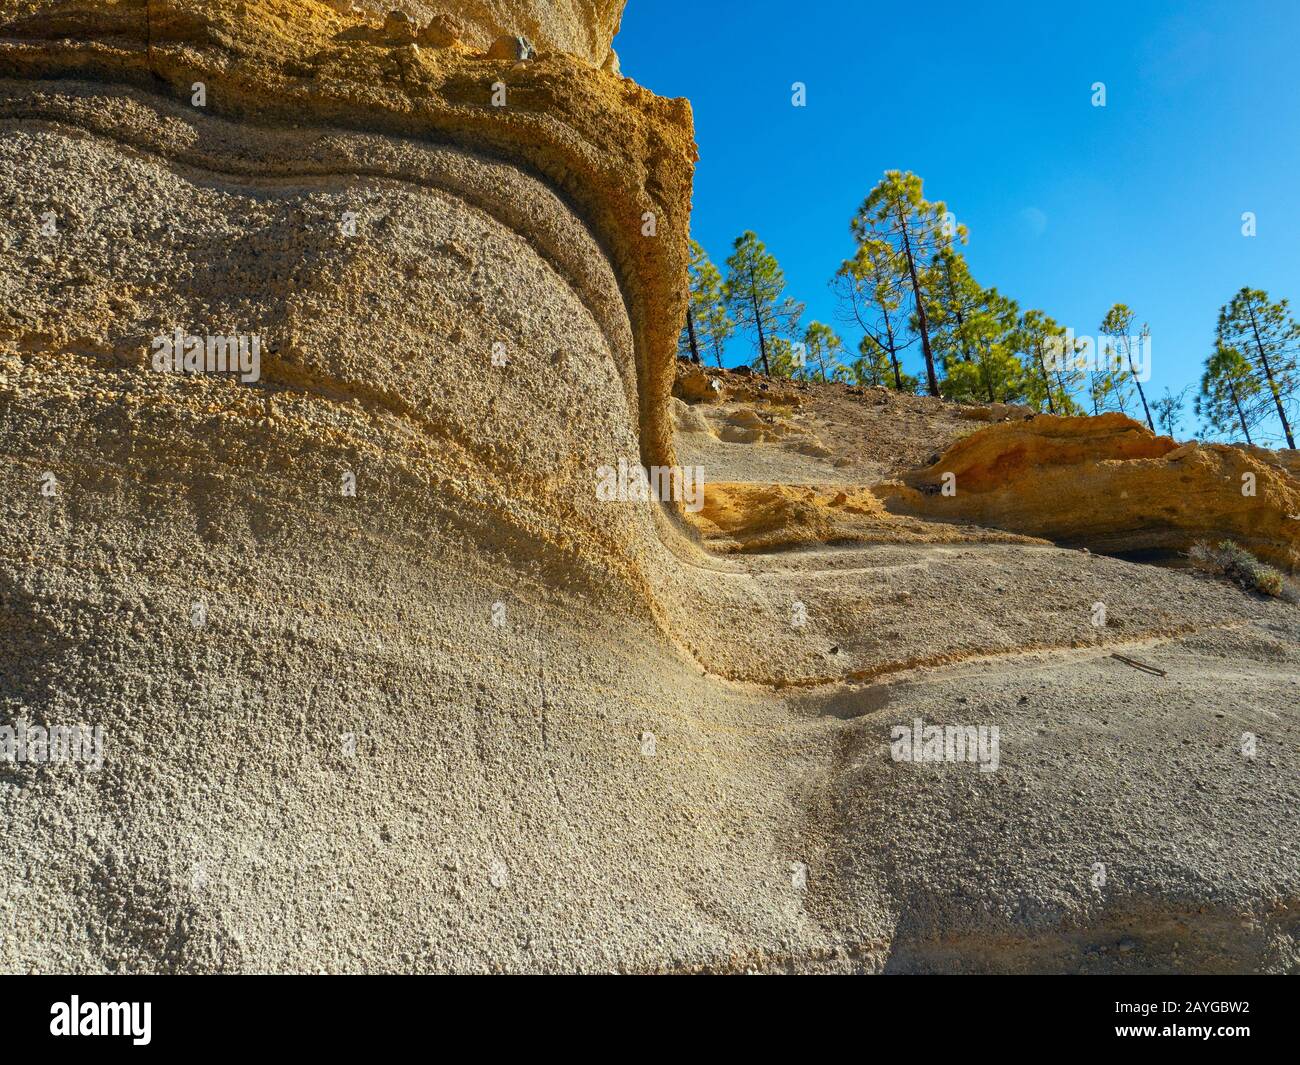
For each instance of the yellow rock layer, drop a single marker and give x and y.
(1110, 483)
(757, 517)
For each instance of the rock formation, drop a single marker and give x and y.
(582, 28)
(763, 517)
(1111, 484)
(385, 686)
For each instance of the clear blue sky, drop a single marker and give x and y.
(1070, 207)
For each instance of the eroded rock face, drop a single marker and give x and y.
(287, 588)
(617, 152)
(383, 686)
(582, 28)
(328, 618)
(766, 517)
(1111, 484)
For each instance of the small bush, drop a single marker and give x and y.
(1227, 559)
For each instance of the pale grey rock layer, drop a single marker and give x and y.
(348, 767)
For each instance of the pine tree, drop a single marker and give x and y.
(782, 359)
(754, 295)
(707, 325)
(1109, 381)
(1231, 396)
(872, 367)
(1117, 326)
(876, 368)
(1169, 410)
(993, 373)
(1267, 337)
(953, 298)
(870, 295)
(823, 347)
(1052, 374)
(897, 213)
(691, 343)
(1103, 386)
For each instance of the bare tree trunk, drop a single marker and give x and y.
(893, 350)
(690, 330)
(1240, 416)
(1128, 351)
(1047, 381)
(1272, 384)
(758, 321)
(931, 380)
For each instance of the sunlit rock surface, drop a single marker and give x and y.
(385, 686)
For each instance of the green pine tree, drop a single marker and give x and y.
(1231, 396)
(1169, 410)
(1051, 373)
(993, 373)
(875, 367)
(783, 360)
(953, 298)
(754, 294)
(870, 295)
(823, 348)
(1267, 337)
(896, 213)
(1117, 328)
(707, 323)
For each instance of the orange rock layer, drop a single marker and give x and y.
(1109, 483)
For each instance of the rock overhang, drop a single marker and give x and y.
(619, 156)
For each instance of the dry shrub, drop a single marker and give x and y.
(1227, 559)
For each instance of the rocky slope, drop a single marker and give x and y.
(384, 684)
(1109, 483)
(1106, 483)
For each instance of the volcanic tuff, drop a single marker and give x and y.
(1110, 483)
(465, 716)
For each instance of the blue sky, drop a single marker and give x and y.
(1071, 208)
